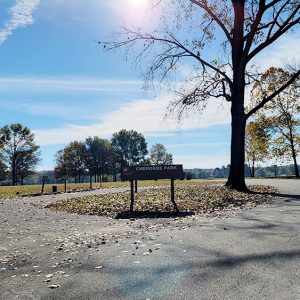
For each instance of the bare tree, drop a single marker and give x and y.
(243, 29)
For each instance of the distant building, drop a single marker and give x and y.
(5, 182)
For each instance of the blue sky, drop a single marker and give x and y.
(56, 80)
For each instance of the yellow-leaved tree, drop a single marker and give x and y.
(282, 114)
(257, 143)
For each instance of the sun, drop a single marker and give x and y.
(138, 3)
(135, 12)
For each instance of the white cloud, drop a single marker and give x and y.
(20, 16)
(145, 116)
(283, 51)
(202, 161)
(55, 108)
(198, 145)
(68, 83)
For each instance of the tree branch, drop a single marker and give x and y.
(272, 3)
(274, 94)
(254, 26)
(276, 15)
(136, 36)
(281, 30)
(214, 16)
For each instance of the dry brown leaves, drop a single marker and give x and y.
(189, 198)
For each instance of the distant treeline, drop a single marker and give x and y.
(272, 171)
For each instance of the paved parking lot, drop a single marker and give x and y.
(250, 254)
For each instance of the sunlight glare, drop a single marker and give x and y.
(138, 3)
(137, 13)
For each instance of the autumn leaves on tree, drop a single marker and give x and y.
(275, 130)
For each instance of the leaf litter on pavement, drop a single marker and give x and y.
(202, 198)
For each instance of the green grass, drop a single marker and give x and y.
(17, 191)
(191, 197)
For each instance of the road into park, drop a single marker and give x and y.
(249, 254)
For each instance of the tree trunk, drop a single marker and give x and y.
(295, 161)
(250, 170)
(236, 179)
(13, 171)
(253, 168)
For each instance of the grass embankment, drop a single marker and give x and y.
(190, 197)
(15, 191)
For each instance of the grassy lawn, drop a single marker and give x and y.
(192, 197)
(15, 191)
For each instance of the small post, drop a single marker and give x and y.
(135, 186)
(173, 195)
(65, 185)
(131, 195)
(43, 184)
(44, 180)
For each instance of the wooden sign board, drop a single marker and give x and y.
(153, 172)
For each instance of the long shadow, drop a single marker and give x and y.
(292, 196)
(233, 261)
(287, 196)
(152, 214)
(248, 191)
(132, 280)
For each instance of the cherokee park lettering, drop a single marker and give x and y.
(153, 172)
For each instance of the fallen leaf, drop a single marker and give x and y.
(99, 267)
(53, 286)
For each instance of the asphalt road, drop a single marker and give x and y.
(250, 254)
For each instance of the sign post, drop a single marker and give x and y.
(135, 173)
(44, 180)
(173, 195)
(65, 178)
(135, 186)
(131, 195)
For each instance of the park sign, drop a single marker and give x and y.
(135, 173)
(153, 172)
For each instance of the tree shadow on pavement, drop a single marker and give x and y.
(152, 214)
(234, 261)
(208, 266)
(294, 197)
